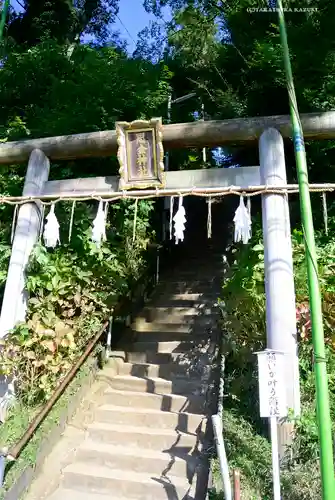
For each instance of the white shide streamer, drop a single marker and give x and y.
(51, 229)
(242, 221)
(99, 225)
(179, 222)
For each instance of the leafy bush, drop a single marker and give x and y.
(244, 326)
(72, 290)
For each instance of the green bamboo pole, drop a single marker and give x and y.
(321, 379)
(4, 17)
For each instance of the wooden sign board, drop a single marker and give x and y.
(140, 154)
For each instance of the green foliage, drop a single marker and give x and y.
(53, 85)
(54, 94)
(244, 325)
(61, 20)
(72, 290)
(21, 416)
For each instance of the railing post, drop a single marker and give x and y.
(278, 267)
(157, 264)
(15, 301)
(237, 485)
(2, 468)
(221, 452)
(109, 337)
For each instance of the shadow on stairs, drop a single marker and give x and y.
(146, 435)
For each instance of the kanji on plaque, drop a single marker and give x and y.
(140, 154)
(272, 394)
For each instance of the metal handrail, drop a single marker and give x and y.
(14, 451)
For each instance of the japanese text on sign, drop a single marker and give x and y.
(142, 155)
(271, 384)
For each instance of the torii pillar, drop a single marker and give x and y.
(279, 279)
(15, 301)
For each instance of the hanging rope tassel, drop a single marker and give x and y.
(135, 219)
(171, 216)
(51, 229)
(287, 216)
(71, 221)
(242, 221)
(249, 211)
(42, 214)
(99, 226)
(325, 211)
(209, 218)
(14, 223)
(179, 222)
(106, 210)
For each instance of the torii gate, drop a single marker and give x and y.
(279, 282)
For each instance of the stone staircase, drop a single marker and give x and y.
(147, 434)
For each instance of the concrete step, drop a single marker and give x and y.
(177, 463)
(186, 296)
(144, 417)
(175, 314)
(185, 325)
(195, 283)
(170, 347)
(183, 386)
(166, 371)
(127, 483)
(157, 357)
(163, 402)
(163, 440)
(184, 299)
(67, 494)
(196, 280)
(168, 336)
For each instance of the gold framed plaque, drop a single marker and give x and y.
(140, 154)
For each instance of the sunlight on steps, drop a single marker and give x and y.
(145, 434)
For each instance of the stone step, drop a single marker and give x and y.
(177, 463)
(175, 314)
(196, 280)
(144, 417)
(183, 386)
(163, 402)
(176, 347)
(184, 284)
(170, 336)
(185, 325)
(184, 300)
(163, 347)
(158, 358)
(163, 440)
(129, 484)
(180, 287)
(166, 371)
(67, 494)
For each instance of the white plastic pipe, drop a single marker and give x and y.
(275, 458)
(217, 427)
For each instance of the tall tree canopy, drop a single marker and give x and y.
(62, 20)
